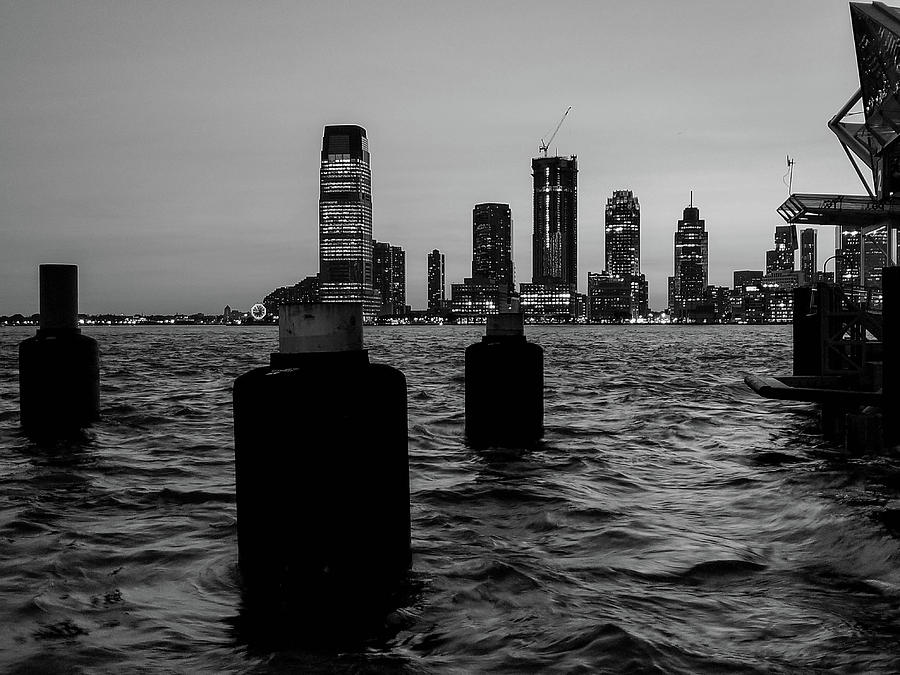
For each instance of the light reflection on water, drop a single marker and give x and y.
(670, 519)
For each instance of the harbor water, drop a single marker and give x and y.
(670, 520)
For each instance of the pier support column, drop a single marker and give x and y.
(890, 315)
(59, 368)
(504, 386)
(322, 472)
(807, 347)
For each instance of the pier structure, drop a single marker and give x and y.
(59, 368)
(847, 335)
(322, 474)
(504, 386)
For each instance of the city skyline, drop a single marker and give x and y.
(167, 150)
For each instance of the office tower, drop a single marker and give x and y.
(389, 277)
(623, 247)
(808, 261)
(687, 286)
(436, 282)
(398, 280)
(345, 218)
(554, 241)
(781, 258)
(609, 298)
(623, 234)
(492, 243)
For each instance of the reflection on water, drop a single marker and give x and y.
(670, 519)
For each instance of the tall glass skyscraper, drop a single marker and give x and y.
(492, 243)
(623, 248)
(436, 282)
(389, 277)
(781, 258)
(688, 285)
(554, 246)
(808, 250)
(345, 218)
(623, 234)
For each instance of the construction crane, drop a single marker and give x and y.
(546, 145)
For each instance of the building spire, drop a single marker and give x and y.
(692, 199)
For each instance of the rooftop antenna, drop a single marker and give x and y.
(789, 175)
(692, 199)
(544, 146)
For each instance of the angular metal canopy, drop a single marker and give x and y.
(876, 36)
(851, 210)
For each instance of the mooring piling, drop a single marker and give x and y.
(59, 368)
(504, 386)
(322, 468)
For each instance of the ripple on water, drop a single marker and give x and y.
(670, 521)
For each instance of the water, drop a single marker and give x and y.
(671, 520)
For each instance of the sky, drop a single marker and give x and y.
(171, 149)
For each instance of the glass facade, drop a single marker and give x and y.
(548, 302)
(555, 237)
(623, 248)
(782, 256)
(687, 287)
(475, 299)
(623, 234)
(809, 254)
(436, 281)
(609, 298)
(345, 218)
(492, 243)
(389, 277)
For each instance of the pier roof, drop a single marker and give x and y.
(824, 209)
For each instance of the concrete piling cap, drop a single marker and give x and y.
(507, 324)
(320, 327)
(58, 296)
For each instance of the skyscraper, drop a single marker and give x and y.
(345, 218)
(688, 285)
(492, 243)
(808, 262)
(555, 238)
(781, 258)
(623, 234)
(436, 281)
(389, 277)
(623, 247)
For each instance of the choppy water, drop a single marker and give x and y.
(671, 520)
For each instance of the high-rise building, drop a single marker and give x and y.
(492, 243)
(781, 258)
(389, 277)
(436, 281)
(345, 218)
(555, 237)
(623, 234)
(687, 287)
(859, 262)
(623, 247)
(808, 254)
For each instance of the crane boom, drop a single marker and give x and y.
(546, 145)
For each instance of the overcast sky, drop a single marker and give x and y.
(171, 149)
